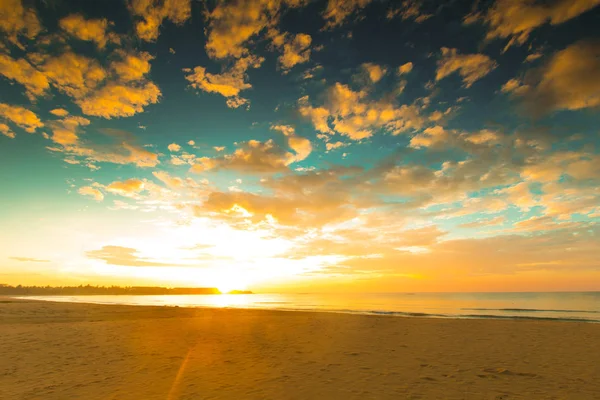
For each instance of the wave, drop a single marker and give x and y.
(531, 310)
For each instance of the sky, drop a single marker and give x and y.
(300, 145)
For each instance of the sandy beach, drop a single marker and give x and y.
(83, 351)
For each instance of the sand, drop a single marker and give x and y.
(80, 351)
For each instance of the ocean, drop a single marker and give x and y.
(569, 306)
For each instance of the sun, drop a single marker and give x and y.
(226, 284)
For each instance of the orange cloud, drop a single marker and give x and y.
(516, 19)
(132, 66)
(71, 73)
(20, 116)
(5, 130)
(230, 82)
(375, 72)
(21, 71)
(471, 67)
(65, 131)
(153, 13)
(118, 100)
(296, 48)
(405, 68)
(91, 30)
(338, 11)
(569, 80)
(16, 20)
(231, 24)
(59, 112)
(128, 188)
(92, 192)
(301, 146)
(349, 113)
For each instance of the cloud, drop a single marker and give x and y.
(5, 130)
(484, 223)
(296, 48)
(154, 12)
(229, 83)
(351, 113)
(301, 146)
(91, 30)
(21, 71)
(294, 201)
(471, 67)
(17, 20)
(124, 256)
(255, 157)
(71, 73)
(516, 19)
(132, 66)
(120, 149)
(410, 9)
(569, 80)
(338, 11)
(66, 131)
(335, 145)
(59, 112)
(21, 117)
(405, 68)
(118, 100)
(29, 259)
(520, 195)
(174, 147)
(92, 192)
(232, 24)
(127, 188)
(374, 71)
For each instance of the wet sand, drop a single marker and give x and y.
(83, 351)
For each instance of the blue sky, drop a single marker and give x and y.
(335, 145)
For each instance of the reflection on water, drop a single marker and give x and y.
(562, 305)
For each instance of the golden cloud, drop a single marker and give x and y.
(5, 130)
(471, 67)
(154, 12)
(375, 72)
(21, 71)
(71, 73)
(232, 23)
(296, 48)
(20, 116)
(230, 82)
(128, 188)
(16, 20)
(350, 113)
(65, 131)
(122, 150)
(90, 30)
(569, 80)
(405, 68)
(92, 192)
(301, 146)
(516, 19)
(59, 112)
(338, 11)
(132, 66)
(124, 256)
(118, 100)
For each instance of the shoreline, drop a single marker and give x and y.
(400, 314)
(59, 350)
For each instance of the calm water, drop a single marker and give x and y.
(578, 306)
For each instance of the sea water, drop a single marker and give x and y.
(571, 306)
